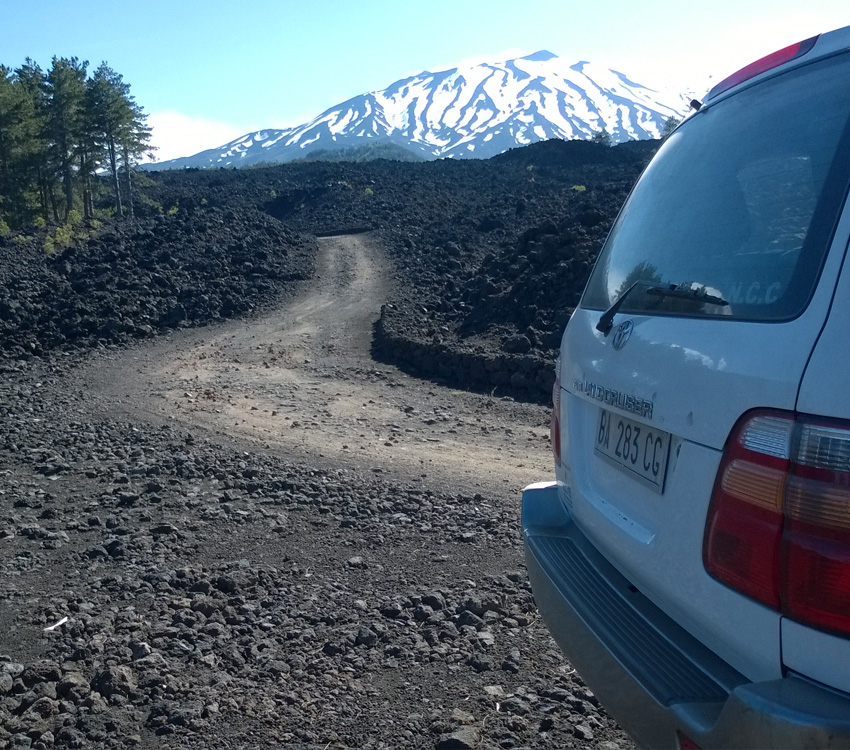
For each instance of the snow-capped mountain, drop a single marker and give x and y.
(475, 111)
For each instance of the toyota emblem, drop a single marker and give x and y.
(622, 334)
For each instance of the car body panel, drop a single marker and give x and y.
(658, 679)
(830, 355)
(809, 652)
(656, 538)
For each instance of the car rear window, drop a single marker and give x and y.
(737, 209)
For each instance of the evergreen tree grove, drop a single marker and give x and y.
(60, 131)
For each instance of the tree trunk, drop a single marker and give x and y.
(129, 176)
(116, 185)
(86, 175)
(52, 196)
(69, 188)
(42, 196)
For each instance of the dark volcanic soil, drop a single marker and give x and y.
(490, 256)
(252, 534)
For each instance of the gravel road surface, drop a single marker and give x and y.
(252, 535)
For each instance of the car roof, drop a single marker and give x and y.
(800, 53)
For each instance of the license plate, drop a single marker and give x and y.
(637, 449)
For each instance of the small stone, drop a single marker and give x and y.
(480, 662)
(68, 736)
(392, 610)
(486, 638)
(511, 662)
(141, 650)
(517, 344)
(12, 668)
(464, 738)
(583, 732)
(115, 681)
(206, 605)
(422, 612)
(6, 682)
(73, 686)
(365, 637)
(515, 705)
(462, 717)
(435, 600)
(44, 707)
(469, 618)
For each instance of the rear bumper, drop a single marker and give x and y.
(654, 677)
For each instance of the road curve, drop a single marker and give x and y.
(300, 381)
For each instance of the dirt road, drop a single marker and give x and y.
(300, 381)
(252, 536)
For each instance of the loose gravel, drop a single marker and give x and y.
(169, 583)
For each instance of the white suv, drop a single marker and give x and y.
(693, 557)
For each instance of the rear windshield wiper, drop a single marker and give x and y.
(688, 293)
(606, 322)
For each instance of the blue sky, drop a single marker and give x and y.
(207, 71)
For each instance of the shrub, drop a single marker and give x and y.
(63, 236)
(602, 137)
(151, 203)
(670, 124)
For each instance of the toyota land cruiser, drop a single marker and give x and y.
(692, 558)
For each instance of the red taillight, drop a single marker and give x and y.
(816, 543)
(773, 60)
(745, 518)
(555, 424)
(778, 527)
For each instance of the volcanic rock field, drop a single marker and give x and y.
(262, 451)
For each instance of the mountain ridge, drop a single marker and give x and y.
(471, 111)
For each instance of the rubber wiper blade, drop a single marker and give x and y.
(688, 293)
(606, 322)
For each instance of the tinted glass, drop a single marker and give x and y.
(739, 204)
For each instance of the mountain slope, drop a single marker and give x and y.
(476, 111)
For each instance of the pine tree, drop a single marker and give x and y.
(12, 115)
(120, 125)
(65, 88)
(135, 144)
(35, 178)
(107, 95)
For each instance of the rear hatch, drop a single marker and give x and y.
(722, 267)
